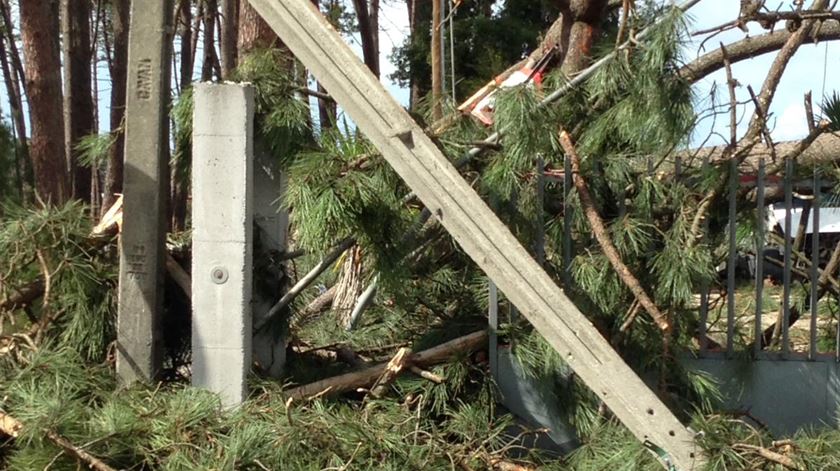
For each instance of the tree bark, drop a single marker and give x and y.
(178, 185)
(437, 62)
(78, 99)
(17, 63)
(254, 32)
(13, 90)
(368, 19)
(326, 109)
(209, 46)
(230, 21)
(357, 379)
(186, 35)
(40, 32)
(119, 72)
(585, 16)
(753, 46)
(602, 236)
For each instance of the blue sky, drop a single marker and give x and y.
(806, 71)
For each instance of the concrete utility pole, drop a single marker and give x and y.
(478, 230)
(223, 221)
(145, 186)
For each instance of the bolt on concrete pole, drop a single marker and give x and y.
(145, 188)
(223, 218)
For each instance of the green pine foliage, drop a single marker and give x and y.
(176, 427)
(51, 246)
(11, 173)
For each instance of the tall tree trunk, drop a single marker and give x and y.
(40, 32)
(179, 183)
(437, 61)
(326, 108)
(13, 90)
(253, 31)
(186, 34)
(78, 100)
(209, 44)
(230, 23)
(414, 96)
(17, 63)
(119, 71)
(368, 25)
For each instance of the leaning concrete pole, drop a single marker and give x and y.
(145, 188)
(223, 222)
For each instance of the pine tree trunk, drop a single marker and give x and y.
(40, 32)
(179, 183)
(437, 62)
(349, 285)
(119, 72)
(230, 21)
(186, 35)
(326, 109)
(78, 100)
(253, 31)
(209, 46)
(17, 63)
(368, 19)
(13, 91)
(414, 96)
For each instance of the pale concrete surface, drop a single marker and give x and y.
(146, 190)
(222, 263)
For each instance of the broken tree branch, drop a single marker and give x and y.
(304, 282)
(753, 46)
(357, 379)
(392, 369)
(770, 455)
(12, 428)
(603, 238)
(317, 306)
(78, 453)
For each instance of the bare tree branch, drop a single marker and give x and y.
(753, 46)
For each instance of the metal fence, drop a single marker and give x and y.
(802, 255)
(788, 255)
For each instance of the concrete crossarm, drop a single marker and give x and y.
(476, 228)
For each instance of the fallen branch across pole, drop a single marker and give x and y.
(366, 377)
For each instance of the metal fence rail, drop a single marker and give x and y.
(798, 264)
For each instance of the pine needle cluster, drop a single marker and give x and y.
(51, 248)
